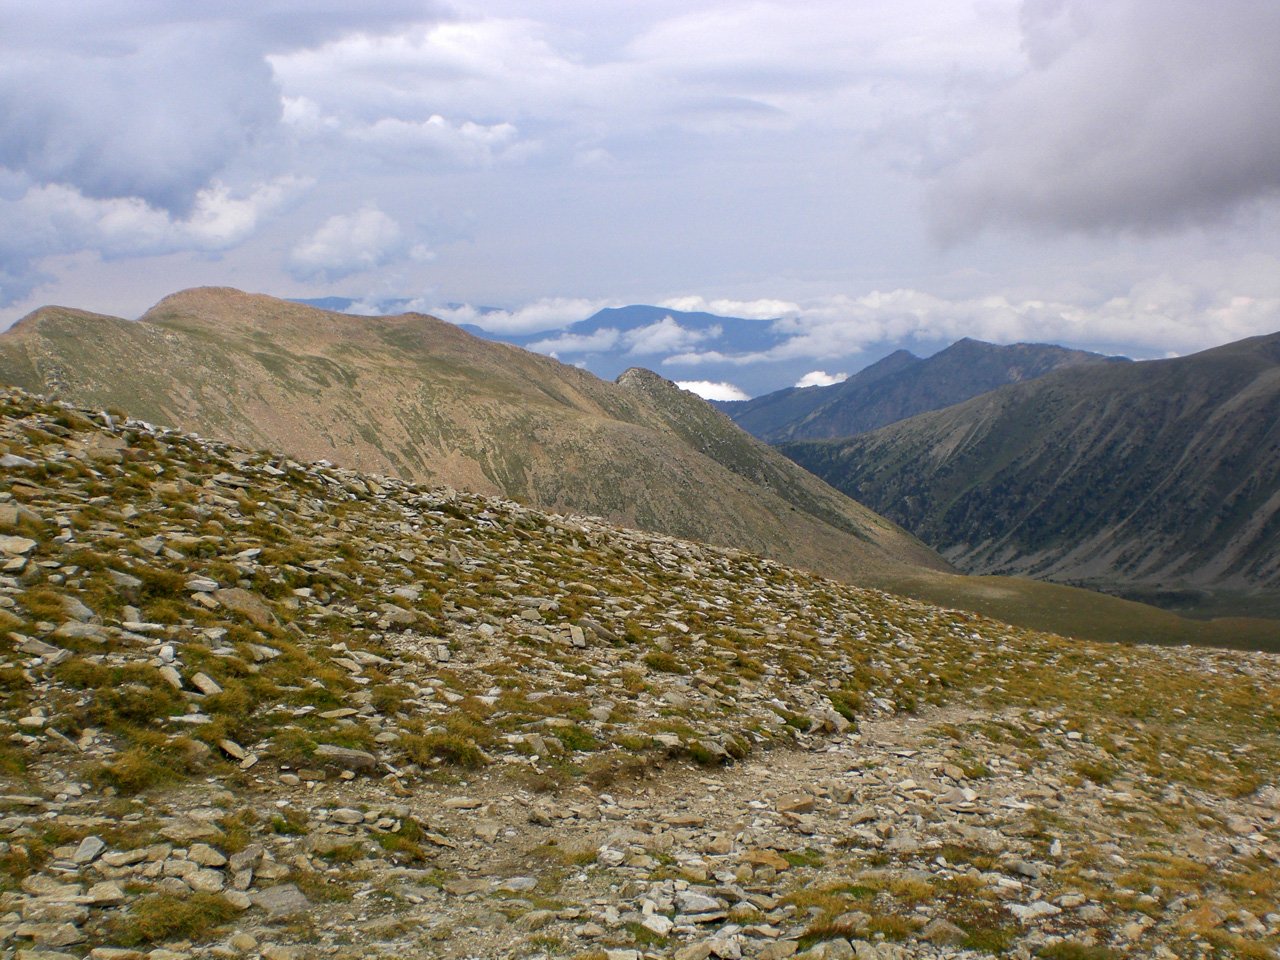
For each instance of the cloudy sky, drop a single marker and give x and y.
(865, 173)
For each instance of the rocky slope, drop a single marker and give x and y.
(900, 386)
(414, 397)
(1162, 475)
(257, 707)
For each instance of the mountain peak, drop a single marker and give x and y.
(641, 377)
(899, 386)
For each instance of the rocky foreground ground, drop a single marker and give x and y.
(261, 708)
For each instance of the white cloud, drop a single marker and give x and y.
(699, 357)
(597, 342)
(54, 219)
(1145, 115)
(155, 100)
(820, 378)
(157, 122)
(349, 243)
(473, 141)
(664, 336)
(1207, 303)
(548, 313)
(220, 220)
(480, 68)
(1161, 310)
(713, 391)
(410, 140)
(765, 309)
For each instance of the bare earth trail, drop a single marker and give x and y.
(937, 835)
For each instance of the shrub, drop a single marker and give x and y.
(451, 748)
(133, 771)
(163, 916)
(664, 662)
(122, 696)
(576, 738)
(158, 583)
(44, 604)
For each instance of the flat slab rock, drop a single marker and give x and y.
(345, 757)
(282, 900)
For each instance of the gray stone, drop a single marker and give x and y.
(38, 648)
(105, 894)
(125, 581)
(206, 684)
(88, 850)
(39, 885)
(346, 758)
(205, 881)
(943, 933)
(37, 910)
(187, 831)
(282, 900)
(1031, 912)
(76, 610)
(247, 604)
(51, 934)
(658, 924)
(837, 949)
(16, 546)
(205, 855)
(518, 885)
(76, 630)
(690, 901)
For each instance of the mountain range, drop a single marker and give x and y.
(686, 345)
(1158, 479)
(899, 386)
(415, 397)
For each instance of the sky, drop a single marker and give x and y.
(857, 174)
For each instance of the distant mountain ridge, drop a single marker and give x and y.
(415, 397)
(1143, 477)
(613, 339)
(899, 386)
(681, 344)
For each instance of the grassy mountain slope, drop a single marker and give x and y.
(898, 387)
(1159, 476)
(414, 397)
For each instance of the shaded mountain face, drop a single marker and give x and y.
(414, 397)
(1150, 476)
(899, 386)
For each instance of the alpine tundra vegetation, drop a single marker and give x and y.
(262, 707)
